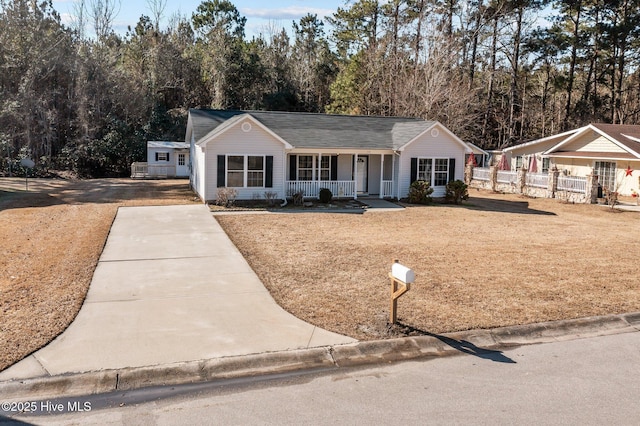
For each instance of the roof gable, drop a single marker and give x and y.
(238, 120)
(613, 134)
(437, 127)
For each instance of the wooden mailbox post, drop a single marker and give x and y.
(401, 279)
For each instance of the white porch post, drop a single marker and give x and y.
(319, 170)
(396, 159)
(355, 176)
(381, 175)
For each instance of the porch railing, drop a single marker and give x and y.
(481, 173)
(311, 189)
(537, 180)
(506, 176)
(387, 189)
(143, 170)
(572, 184)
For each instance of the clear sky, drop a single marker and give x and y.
(259, 13)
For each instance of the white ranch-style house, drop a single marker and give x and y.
(285, 152)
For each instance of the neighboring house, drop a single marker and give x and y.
(285, 152)
(164, 159)
(611, 151)
(480, 156)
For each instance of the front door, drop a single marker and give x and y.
(606, 172)
(182, 168)
(362, 175)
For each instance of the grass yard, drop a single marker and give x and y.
(52, 237)
(500, 260)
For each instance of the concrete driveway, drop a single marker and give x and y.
(170, 287)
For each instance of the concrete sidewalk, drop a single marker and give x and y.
(170, 287)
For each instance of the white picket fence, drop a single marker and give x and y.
(537, 180)
(572, 184)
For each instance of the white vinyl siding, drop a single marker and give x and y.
(197, 178)
(442, 146)
(235, 142)
(592, 142)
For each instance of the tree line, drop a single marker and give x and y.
(495, 72)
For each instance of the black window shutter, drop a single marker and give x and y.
(293, 166)
(268, 175)
(334, 167)
(414, 169)
(156, 156)
(452, 169)
(221, 171)
(167, 157)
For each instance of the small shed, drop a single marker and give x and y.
(164, 159)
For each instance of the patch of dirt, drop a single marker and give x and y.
(498, 260)
(52, 238)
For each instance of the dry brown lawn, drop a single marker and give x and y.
(52, 237)
(499, 260)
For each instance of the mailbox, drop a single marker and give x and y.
(402, 273)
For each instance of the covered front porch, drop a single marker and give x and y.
(346, 175)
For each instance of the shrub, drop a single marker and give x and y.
(226, 197)
(420, 192)
(271, 197)
(297, 196)
(456, 191)
(325, 195)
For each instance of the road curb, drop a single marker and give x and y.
(486, 343)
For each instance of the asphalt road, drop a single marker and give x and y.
(591, 381)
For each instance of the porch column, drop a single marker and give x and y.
(319, 170)
(591, 196)
(396, 159)
(355, 176)
(381, 175)
(552, 187)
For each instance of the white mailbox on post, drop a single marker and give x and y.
(401, 279)
(402, 273)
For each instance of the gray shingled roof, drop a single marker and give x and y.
(307, 130)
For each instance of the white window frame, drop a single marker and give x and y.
(546, 164)
(182, 159)
(327, 169)
(262, 171)
(245, 170)
(432, 178)
(317, 167)
(163, 156)
(312, 168)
